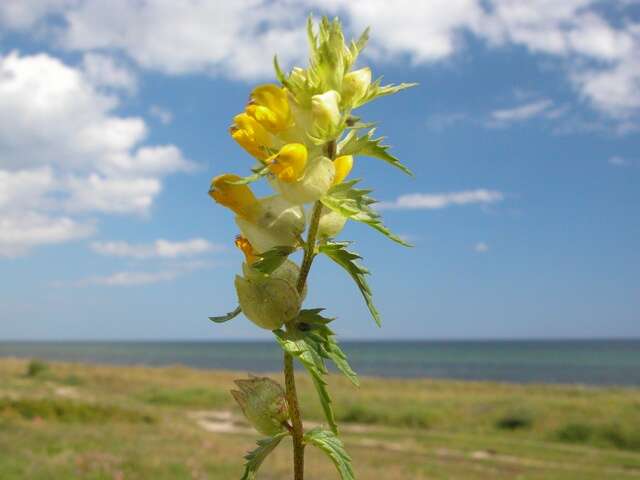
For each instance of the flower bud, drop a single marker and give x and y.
(245, 247)
(326, 110)
(289, 163)
(343, 165)
(238, 198)
(263, 403)
(269, 301)
(317, 180)
(355, 85)
(270, 107)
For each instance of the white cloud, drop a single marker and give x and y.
(128, 279)
(63, 150)
(104, 71)
(433, 201)
(159, 249)
(236, 39)
(481, 247)
(521, 112)
(20, 232)
(619, 161)
(163, 115)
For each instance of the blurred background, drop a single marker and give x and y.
(510, 342)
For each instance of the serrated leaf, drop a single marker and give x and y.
(272, 259)
(337, 251)
(376, 91)
(368, 146)
(227, 316)
(255, 457)
(330, 444)
(295, 345)
(316, 332)
(356, 204)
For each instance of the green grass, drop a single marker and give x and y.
(71, 421)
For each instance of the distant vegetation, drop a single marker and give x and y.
(67, 421)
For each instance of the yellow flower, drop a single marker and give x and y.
(243, 244)
(270, 107)
(251, 136)
(343, 165)
(238, 198)
(289, 163)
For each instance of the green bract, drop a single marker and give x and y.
(306, 138)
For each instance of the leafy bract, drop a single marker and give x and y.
(355, 204)
(368, 146)
(272, 259)
(337, 251)
(322, 340)
(330, 444)
(227, 316)
(376, 91)
(294, 343)
(255, 457)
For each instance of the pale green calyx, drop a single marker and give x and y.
(355, 86)
(263, 403)
(326, 110)
(269, 301)
(316, 181)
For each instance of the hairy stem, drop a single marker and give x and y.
(297, 430)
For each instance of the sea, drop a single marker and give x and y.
(584, 362)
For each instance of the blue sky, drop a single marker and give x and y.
(524, 136)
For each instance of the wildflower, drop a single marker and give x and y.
(289, 163)
(316, 181)
(343, 165)
(265, 222)
(252, 136)
(269, 107)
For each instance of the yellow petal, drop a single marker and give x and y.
(269, 105)
(343, 165)
(289, 163)
(251, 135)
(238, 198)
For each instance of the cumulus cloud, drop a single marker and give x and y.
(64, 151)
(159, 249)
(599, 55)
(104, 71)
(434, 201)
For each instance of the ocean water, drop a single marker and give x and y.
(592, 362)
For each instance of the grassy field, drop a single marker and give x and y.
(76, 421)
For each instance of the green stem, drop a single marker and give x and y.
(297, 430)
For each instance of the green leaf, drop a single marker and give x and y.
(330, 444)
(368, 146)
(376, 90)
(337, 251)
(295, 344)
(356, 204)
(258, 173)
(255, 457)
(226, 317)
(272, 259)
(316, 332)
